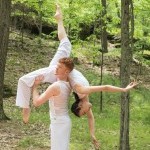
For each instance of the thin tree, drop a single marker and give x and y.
(40, 4)
(22, 26)
(103, 45)
(103, 29)
(5, 9)
(70, 16)
(126, 58)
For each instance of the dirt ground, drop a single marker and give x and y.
(13, 132)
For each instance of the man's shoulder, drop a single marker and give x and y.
(55, 84)
(54, 88)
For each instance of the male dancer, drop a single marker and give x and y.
(57, 94)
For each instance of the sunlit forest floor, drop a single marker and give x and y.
(15, 135)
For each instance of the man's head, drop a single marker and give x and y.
(80, 107)
(64, 67)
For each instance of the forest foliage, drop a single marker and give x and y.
(83, 22)
(83, 17)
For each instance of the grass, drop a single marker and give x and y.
(107, 122)
(35, 136)
(108, 125)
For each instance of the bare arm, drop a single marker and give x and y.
(108, 88)
(38, 100)
(91, 123)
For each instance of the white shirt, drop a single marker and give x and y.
(59, 104)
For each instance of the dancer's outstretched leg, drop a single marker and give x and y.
(64, 48)
(26, 82)
(59, 18)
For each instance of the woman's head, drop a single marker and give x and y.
(80, 107)
(74, 107)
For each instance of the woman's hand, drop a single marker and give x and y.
(131, 85)
(95, 142)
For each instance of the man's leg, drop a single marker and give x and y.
(60, 130)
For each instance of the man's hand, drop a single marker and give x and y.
(35, 92)
(38, 80)
(96, 143)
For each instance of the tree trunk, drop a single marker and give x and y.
(5, 9)
(40, 3)
(103, 45)
(104, 33)
(126, 58)
(70, 16)
(22, 28)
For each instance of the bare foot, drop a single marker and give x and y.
(26, 115)
(58, 14)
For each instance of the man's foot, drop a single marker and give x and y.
(26, 115)
(58, 14)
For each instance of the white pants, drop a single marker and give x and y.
(77, 78)
(26, 82)
(60, 130)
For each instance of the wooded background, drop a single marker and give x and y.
(122, 24)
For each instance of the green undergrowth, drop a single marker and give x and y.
(107, 122)
(35, 135)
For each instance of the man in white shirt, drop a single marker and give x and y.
(57, 94)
